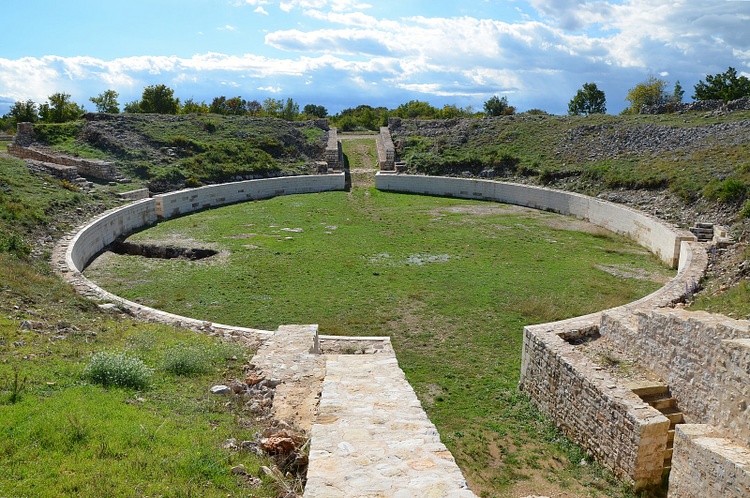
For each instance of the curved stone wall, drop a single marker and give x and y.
(76, 251)
(655, 235)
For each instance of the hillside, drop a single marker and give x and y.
(168, 152)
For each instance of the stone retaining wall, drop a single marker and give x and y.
(186, 201)
(607, 419)
(86, 167)
(334, 154)
(386, 150)
(705, 359)
(706, 463)
(653, 234)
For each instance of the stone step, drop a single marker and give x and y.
(668, 455)
(670, 438)
(648, 388)
(674, 415)
(660, 401)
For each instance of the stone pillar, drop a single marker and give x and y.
(24, 134)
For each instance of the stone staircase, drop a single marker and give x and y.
(703, 231)
(657, 395)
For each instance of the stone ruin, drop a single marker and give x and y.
(61, 166)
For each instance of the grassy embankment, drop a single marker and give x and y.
(61, 434)
(451, 281)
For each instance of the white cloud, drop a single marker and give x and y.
(227, 27)
(339, 51)
(270, 89)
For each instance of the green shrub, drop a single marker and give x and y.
(730, 190)
(118, 369)
(745, 213)
(14, 244)
(187, 360)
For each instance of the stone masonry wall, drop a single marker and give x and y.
(705, 463)
(705, 359)
(334, 154)
(386, 150)
(85, 167)
(616, 426)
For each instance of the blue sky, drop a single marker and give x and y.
(342, 53)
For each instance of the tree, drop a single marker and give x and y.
(132, 107)
(725, 86)
(190, 106)
(677, 93)
(272, 107)
(416, 109)
(60, 109)
(290, 111)
(317, 111)
(24, 112)
(159, 99)
(497, 106)
(649, 92)
(254, 108)
(106, 102)
(588, 100)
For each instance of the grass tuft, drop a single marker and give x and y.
(118, 370)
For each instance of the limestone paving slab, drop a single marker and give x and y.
(372, 438)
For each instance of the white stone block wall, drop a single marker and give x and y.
(186, 201)
(104, 229)
(707, 464)
(658, 237)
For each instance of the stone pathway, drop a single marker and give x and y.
(372, 438)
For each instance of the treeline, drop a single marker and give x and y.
(160, 99)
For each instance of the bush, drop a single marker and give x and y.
(745, 213)
(187, 360)
(118, 369)
(728, 191)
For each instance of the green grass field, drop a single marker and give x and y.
(452, 282)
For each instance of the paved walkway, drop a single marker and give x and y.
(373, 439)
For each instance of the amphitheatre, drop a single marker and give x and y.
(689, 420)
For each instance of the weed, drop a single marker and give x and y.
(119, 370)
(15, 386)
(187, 360)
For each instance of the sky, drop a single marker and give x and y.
(344, 53)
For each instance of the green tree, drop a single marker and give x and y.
(678, 92)
(649, 92)
(316, 111)
(272, 107)
(416, 109)
(23, 112)
(190, 106)
(725, 86)
(159, 99)
(588, 100)
(132, 107)
(290, 111)
(106, 102)
(498, 106)
(60, 109)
